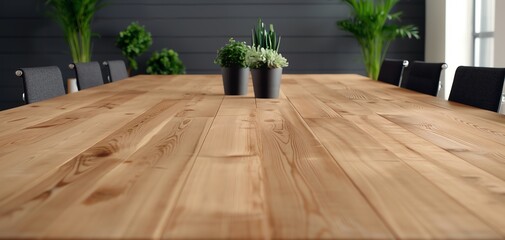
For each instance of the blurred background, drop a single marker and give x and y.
(311, 40)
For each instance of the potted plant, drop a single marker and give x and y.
(266, 70)
(134, 41)
(75, 17)
(166, 62)
(265, 62)
(234, 70)
(370, 25)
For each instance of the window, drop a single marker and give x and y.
(484, 33)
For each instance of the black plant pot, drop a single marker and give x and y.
(266, 82)
(235, 80)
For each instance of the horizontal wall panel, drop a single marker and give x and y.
(206, 9)
(231, 2)
(315, 27)
(10, 104)
(106, 45)
(16, 61)
(9, 78)
(143, 11)
(176, 27)
(205, 60)
(11, 94)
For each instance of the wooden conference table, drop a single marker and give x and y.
(336, 156)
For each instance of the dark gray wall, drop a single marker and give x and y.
(196, 29)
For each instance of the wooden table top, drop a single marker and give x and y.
(336, 156)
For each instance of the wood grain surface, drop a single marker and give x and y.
(171, 157)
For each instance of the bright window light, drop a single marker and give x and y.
(484, 33)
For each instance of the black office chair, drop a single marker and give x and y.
(116, 70)
(88, 74)
(478, 86)
(41, 83)
(424, 77)
(391, 71)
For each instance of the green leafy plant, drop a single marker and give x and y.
(370, 25)
(265, 39)
(134, 41)
(165, 62)
(257, 57)
(75, 17)
(232, 54)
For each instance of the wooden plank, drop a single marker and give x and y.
(135, 198)
(43, 130)
(30, 160)
(227, 179)
(40, 157)
(455, 135)
(490, 162)
(412, 100)
(227, 176)
(305, 103)
(65, 184)
(336, 101)
(410, 204)
(304, 184)
(451, 174)
(13, 120)
(201, 106)
(237, 106)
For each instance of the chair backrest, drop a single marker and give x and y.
(478, 86)
(88, 74)
(391, 71)
(41, 83)
(116, 70)
(423, 77)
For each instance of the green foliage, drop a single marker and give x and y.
(232, 54)
(265, 39)
(264, 58)
(370, 25)
(75, 17)
(166, 62)
(264, 50)
(134, 41)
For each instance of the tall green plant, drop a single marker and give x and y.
(265, 39)
(370, 25)
(75, 17)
